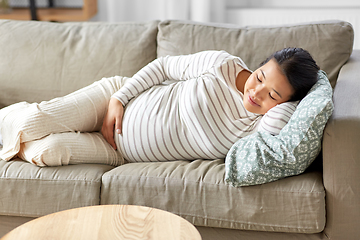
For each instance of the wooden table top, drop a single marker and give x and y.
(107, 222)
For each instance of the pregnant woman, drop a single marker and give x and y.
(175, 108)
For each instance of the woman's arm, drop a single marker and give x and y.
(112, 120)
(168, 68)
(165, 68)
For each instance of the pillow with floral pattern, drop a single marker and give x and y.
(262, 157)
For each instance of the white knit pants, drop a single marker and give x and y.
(61, 131)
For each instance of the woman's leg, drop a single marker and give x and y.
(81, 111)
(70, 148)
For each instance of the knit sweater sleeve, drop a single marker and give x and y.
(178, 68)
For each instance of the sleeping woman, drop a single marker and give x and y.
(175, 108)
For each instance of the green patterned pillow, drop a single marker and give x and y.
(261, 157)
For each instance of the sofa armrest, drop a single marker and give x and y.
(341, 155)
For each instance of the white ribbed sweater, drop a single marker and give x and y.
(200, 115)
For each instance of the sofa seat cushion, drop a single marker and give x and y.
(31, 191)
(198, 192)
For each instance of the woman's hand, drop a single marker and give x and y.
(113, 119)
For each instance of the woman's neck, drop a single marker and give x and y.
(241, 79)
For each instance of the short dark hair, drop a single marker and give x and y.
(299, 68)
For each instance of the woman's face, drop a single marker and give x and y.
(265, 88)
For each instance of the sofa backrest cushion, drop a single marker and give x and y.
(330, 43)
(43, 60)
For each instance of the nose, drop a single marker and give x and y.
(259, 92)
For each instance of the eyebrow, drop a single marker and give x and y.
(262, 72)
(277, 93)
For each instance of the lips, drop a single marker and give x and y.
(252, 102)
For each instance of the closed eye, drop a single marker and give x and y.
(257, 76)
(271, 97)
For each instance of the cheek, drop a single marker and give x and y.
(249, 83)
(268, 106)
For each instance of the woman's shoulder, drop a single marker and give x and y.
(219, 53)
(231, 60)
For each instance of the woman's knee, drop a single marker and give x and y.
(48, 151)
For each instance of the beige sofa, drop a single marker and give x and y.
(41, 60)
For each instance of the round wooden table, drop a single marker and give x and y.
(107, 222)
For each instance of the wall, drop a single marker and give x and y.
(240, 12)
(276, 12)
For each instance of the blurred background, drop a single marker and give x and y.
(239, 12)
